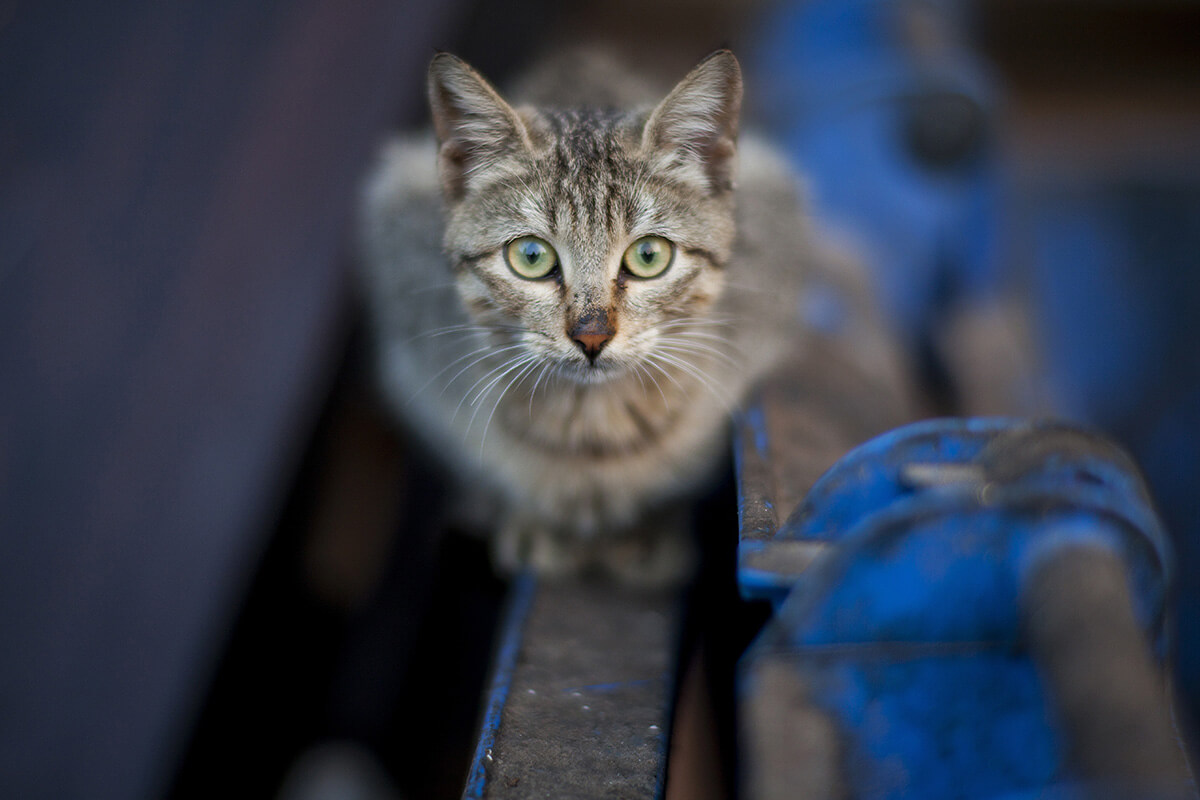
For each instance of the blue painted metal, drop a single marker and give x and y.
(870, 476)
(908, 631)
(891, 126)
(1113, 256)
(1115, 286)
(1109, 244)
(760, 584)
(872, 488)
(937, 722)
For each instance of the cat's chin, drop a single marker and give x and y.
(593, 374)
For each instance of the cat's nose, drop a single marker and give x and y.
(591, 343)
(592, 332)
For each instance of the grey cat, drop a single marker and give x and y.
(568, 300)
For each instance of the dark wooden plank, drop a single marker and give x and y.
(177, 179)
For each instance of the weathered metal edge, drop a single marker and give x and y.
(520, 602)
(757, 516)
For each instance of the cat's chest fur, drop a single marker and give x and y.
(609, 448)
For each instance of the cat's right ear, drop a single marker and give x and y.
(475, 128)
(694, 130)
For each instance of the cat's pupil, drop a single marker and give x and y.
(647, 252)
(532, 252)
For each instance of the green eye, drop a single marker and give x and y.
(649, 256)
(531, 257)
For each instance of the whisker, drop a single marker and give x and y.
(520, 376)
(652, 359)
(467, 329)
(546, 365)
(449, 329)
(485, 350)
(643, 368)
(484, 378)
(698, 349)
(638, 372)
(691, 334)
(696, 322)
(512, 364)
(693, 359)
(724, 347)
(700, 376)
(490, 352)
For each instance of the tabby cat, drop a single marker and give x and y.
(569, 298)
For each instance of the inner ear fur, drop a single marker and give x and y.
(475, 127)
(698, 120)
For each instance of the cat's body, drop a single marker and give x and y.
(590, 398)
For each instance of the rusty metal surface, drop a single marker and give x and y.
(581, 704)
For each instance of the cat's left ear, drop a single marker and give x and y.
(695, 128)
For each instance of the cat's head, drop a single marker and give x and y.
(592, 237)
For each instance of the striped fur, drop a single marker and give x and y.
(590, 461)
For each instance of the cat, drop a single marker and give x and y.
(568, 299)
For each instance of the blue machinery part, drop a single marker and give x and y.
(973, 584)
(982, 614)
(937, 478)
(888, 111)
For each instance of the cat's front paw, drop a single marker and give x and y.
(524, 544)
(656, 557)
(656, 554)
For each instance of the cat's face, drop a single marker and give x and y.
(593, 242)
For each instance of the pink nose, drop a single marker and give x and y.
(592, 332)
(591, 343)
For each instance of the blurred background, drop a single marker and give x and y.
(213, 559)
